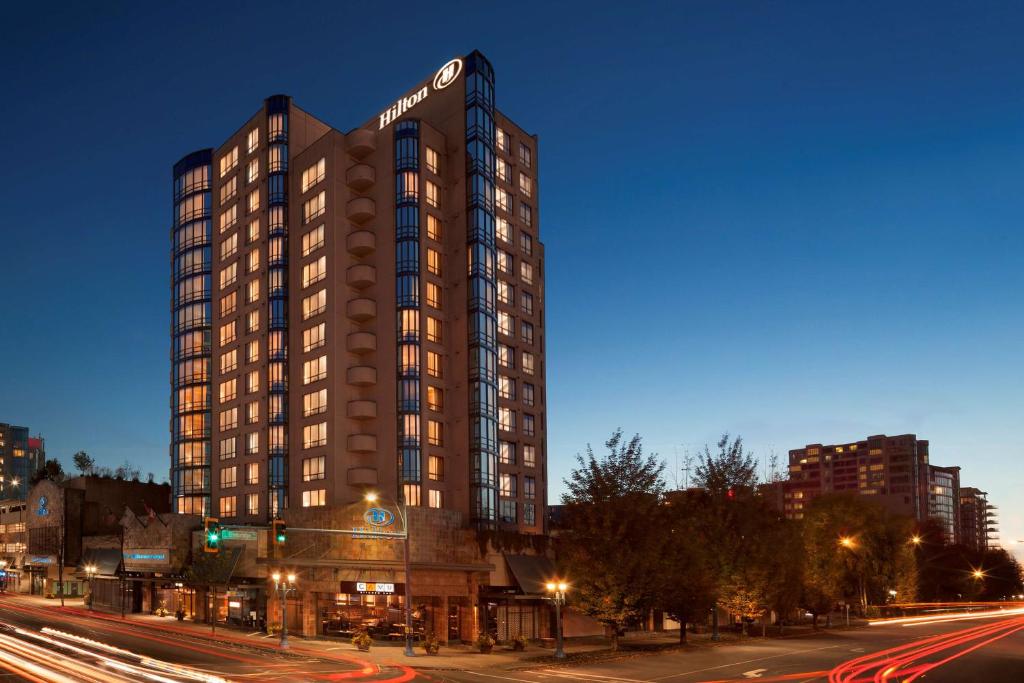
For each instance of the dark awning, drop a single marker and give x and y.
(531, 572)
(106, 560)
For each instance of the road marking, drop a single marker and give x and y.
(256, 633)
(503, 678)
(748, 661)
(579, 675)
(754, 673)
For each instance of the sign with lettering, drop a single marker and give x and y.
(371, 587)
(444, 77)
(137, 558)
(229, 534)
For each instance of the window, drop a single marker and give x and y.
(253, 232)
(502, 199)
(434, 295)
(435, 398)
(252, 261)
(435, 433)
(526, 332)
(505, 323)
(506, 453)
(253, 140)
(526, 272)
(529, 427)
(529, 514)
(228, 506)
(314, 469)
(314, 174)
(252, 504)
(312, 499)
(228, 275)
(228, 448)
(314, 403)
(506, 387)
(411, 493)
(434, 364)
(501, 140)
(252, 382)
(525, 155)
(252, 291)
(433, 195)
(508, 484)
(313, 240)
(252, 473)
(436, 499)
(278, 159)
(229, 161)
(435, 468)
(252, 170)
(313, 370)
(229, 391)
(314, 207)
(229, 419)
(277, 126)
(526, 303)
(314, 435)
(228, 361)
(229, 188)
(253, 201)
(503, 229)
(228, 217)
(526, 214)
(504, 262)
(229, 477)
(252, 443)
(525, 185)
(314, 304)
(506, 419)
(433, 262)
(315, 271)
(530, 456)
(528, 394)
(433, 329)
(501, 170)
(505, 292)
(252, 351)
(252, 412)
(505, 356)
(228, 304)
(314, 337)
(252, 321)
(431, 159)
(433, 227)
(525, 243)
(528, 363)
(508, 511)
(229, 246)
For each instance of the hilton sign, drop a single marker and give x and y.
(444, 77)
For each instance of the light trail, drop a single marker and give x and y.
(954, 616)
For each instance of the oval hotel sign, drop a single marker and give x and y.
(444, 77)
(379, 517)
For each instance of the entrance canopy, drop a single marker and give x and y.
(531, 573)
(106, 560)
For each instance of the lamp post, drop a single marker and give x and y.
(90, 572)
(850, 543)
(403, 510)
(283, 585)
(557, 590)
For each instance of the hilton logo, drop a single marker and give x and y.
(445, 76)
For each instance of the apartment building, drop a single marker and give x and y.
(977, 519)
(21, 456)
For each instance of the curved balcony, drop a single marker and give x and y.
(361, 209)
(362, 342)
(362, 310)
(362, 476)
(361, 276)
(361, 142)
(361, 242)
(362, 410)
(360, 177)
(362, 443)
(362, 376)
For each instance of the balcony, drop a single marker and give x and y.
(362, 376)
(361, 177)
(362, 443)
(361, 276)
(361, 242)
(361, 142)
(361, 209)
(362, 342)
(362, 310)
(362, 476)
(362, 410)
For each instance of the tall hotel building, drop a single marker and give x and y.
(362, 311)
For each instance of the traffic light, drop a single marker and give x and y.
(279, 531)
(211, 535)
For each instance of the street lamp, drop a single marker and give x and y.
(915, 539)
(978, 574)
(847, 542)
(372, 497)
(283, 585)
(558, 589)
(850, 543)
(90, 571)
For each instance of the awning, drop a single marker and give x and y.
(106, 560)
(531, 572)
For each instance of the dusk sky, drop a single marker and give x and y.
(795, 223)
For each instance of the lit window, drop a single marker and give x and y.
(253, 140)
(314, 435)
(314, 468)
(228, 217)
(253, 232)
(435, 468)
(228, 333)
(314, 403)
(434, 364)
(252, 321)
(435, 398)
(504, 262)
(252, 351)
(252, 170)
(435, 499)
(435, 433)
(315, 369)
(434, 295)
(314, 337)
(501, 139)
(506, 419)
(228, 304)
(228, 391)
(503, 230)
(276, 126)
(407, 186)
(228, 506)
(505, 356)
(506, 387)
(505, 323)
(502, 199)
(530, 456)
(229, 189)
(433, 227)
(411, 494)
(252, 473)
(229, 161)
(528, 363)
(314, 207)
(431, 159)
(229, 361)
(314, 174)
(433, 195)
(228, 448)
(313, 240)
(254, 201)
(312, 499)
(433, 329)
(314, 304)
(252, 443)
(506, 292)
(252, 381)
(315, 271)
(229, 419)
(252, 261)
(252, 412)
(501, 170)
(252, 291)
(252, 504)
(434, 262)
(507, 486)
(506, 453)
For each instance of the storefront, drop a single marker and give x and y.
(521, 608)
(377, 607)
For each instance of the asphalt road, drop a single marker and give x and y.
(990, 650)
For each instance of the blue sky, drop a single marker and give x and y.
(798, 222)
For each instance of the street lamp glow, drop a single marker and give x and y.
(276, 576)
(978, 574)
(371, 497)
(551, 586)
(291, 578)
(847, 542)
(562, 587)
(916, 540)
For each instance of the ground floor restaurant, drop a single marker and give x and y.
(380, 610)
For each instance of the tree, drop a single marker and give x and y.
(688, 583)
(731, 468)
(84, 462)
(51, 469)
(127, 471)
(744, 598)
(211, 571)
(611, 539)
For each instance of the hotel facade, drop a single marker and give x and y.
(363, 311)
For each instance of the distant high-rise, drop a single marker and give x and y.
(944, 500)
(977, 519)
(21, 456)
(362, 310)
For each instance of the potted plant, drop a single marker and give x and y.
(362, 640)
(431, 645)
(180, 614)
(485, 643)
(519, 643)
